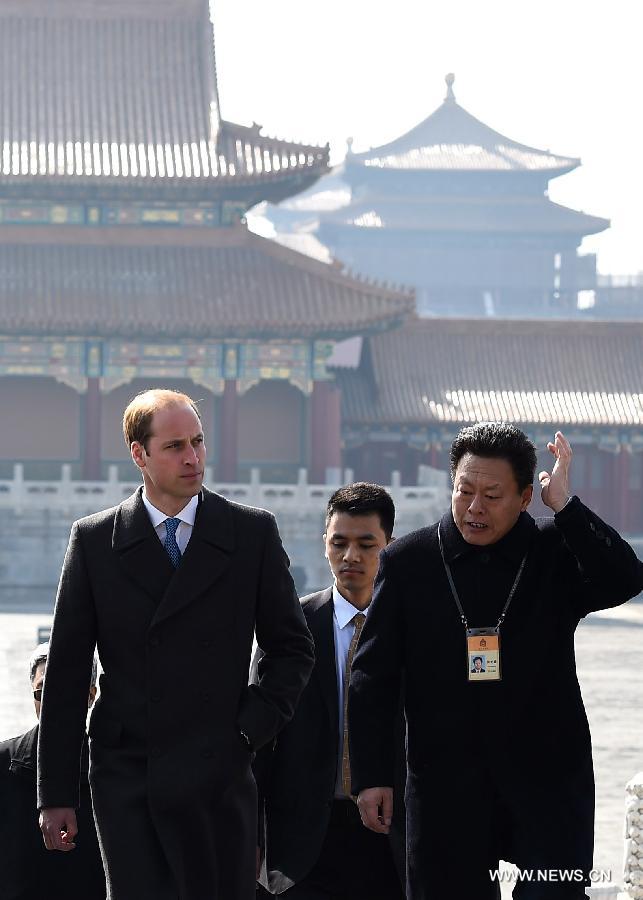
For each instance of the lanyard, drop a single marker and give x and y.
(454, 591)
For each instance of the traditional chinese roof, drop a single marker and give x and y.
(440, 371)
(107, 92)
(526, 215)
(451, 139)
(173, 283)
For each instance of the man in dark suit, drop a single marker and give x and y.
(314, 846)
(488, 571)
(27, 870)
(171, 586)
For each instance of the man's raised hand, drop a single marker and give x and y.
(555, 486)
(376, 808)
(59, 828)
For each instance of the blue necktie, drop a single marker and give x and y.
(170, 541)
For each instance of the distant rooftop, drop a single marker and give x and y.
(451, 139)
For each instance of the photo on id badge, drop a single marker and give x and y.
(483, 654)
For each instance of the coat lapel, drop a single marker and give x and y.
(207, 556)
(320, 623)
(140, 552)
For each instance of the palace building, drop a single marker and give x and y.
(458, 211)
(124, 260)
(126, 263)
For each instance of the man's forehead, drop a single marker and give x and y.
(343, 524)
(494, 469)
(175, 420)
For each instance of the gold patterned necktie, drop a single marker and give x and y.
(358, 621)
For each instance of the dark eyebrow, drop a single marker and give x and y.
(360, 537)
(489, 487)
(180, 440)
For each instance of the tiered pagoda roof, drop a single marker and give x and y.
(451, 139)
(450, 174)
(498, 215)
(114, 94)
(169, 283)
(441, 372)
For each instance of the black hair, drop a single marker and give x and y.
(361, 499)
(497, 440)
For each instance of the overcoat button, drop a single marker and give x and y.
(208, 753)
(600, 534)
(608, 541)
(156, 752)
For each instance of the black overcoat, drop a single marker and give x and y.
(174, 797)
(296, 774)
(27, 870)
(495, 769)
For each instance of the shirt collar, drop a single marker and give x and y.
(513, 545)
(343, 610)
(187, 514)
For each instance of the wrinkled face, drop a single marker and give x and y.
(486, 501)
(174, 461)
(353, 545)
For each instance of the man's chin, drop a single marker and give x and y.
(478, 536)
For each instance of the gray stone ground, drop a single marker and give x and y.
(610, 664)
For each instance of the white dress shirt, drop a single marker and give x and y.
(343, 631)
(187, 516)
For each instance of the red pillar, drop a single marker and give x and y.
(325, 430)
(91, 441)
(229, 426)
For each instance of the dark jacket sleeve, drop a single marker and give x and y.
(603, 566)
(69, 665)
(376, 677)
(286, 644)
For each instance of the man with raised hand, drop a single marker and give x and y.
(171, 585)
(487, 579)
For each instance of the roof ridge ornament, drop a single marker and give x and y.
(450, 96)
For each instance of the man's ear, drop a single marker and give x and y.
(137, 451)
(325, 550)
(527, 495)
(390, 540)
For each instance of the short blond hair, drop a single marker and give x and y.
(138, 415)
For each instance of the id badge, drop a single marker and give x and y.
(483, 654)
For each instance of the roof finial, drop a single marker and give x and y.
(450, 78)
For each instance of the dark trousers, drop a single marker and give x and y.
(457, 845)
(354, 863)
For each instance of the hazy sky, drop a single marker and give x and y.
(564, 75)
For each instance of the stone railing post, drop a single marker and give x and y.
(633, 857)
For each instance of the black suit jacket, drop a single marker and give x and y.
(296, 774)
(175, 647)
(531, 731)
(28, 871)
